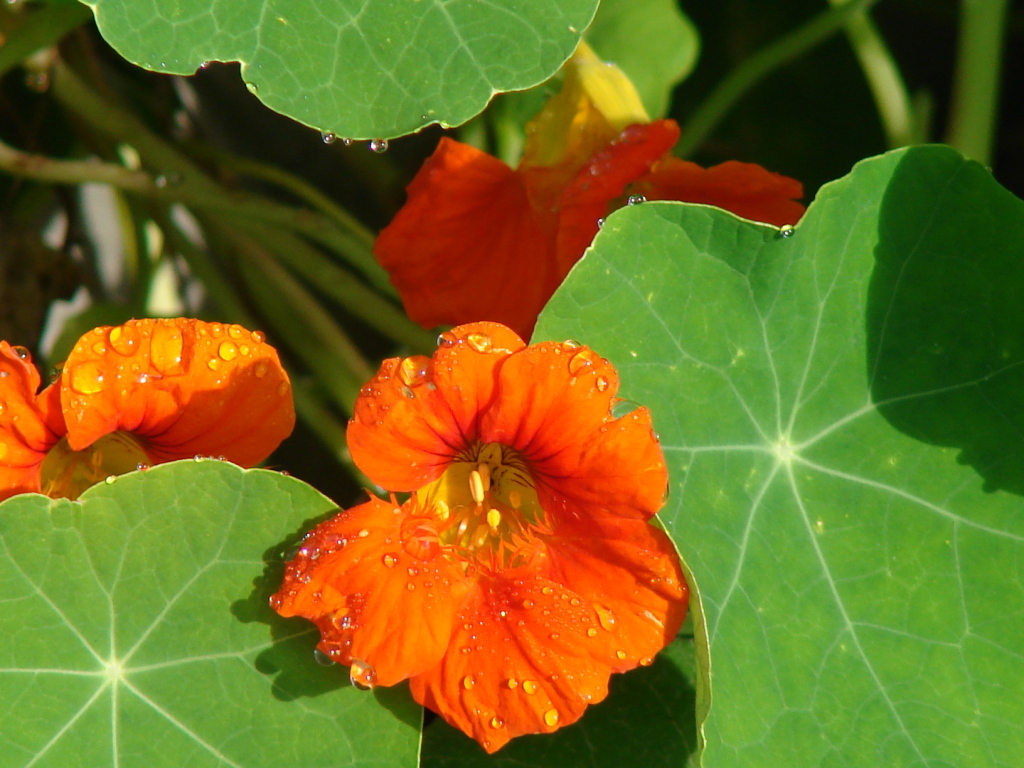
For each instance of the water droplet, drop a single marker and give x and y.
(236, 332)
(481, 342)
(110, 479)
(213, 363)
(389, 561)
(570, 345)
(328, 137)
(362, 675)
(363, 533)
(530, 687)
(258, 336)
(787, 230)
(605, 617)
(164, 180)
(583, 362)
(468, 682)
(227, 350)
(416, 370)
(601, 383)
(347, 142)
(22, 353)
(322, 658)
(260, 369)
(591, 632)
(528, 604)
(646, 661)
(379, 146)
(166, 349)
(622, 408)
(600, 223)
(252, 88)
(123, 339)
(551, 718)
(547, 591)
(497, 722)
(87, 378)
(636, 200)
(620, 654)
(512, 683)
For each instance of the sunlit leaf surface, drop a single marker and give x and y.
(135, 632)
(359, 69)
(842, 410)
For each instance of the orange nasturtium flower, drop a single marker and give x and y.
(478, 240)
(137, 394)
(522, 571)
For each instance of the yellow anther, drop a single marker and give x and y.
(443, 512)
(485, 474)
(493, 518)
(476, 486)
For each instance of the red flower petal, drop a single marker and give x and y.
(378, 592)
(416, 414)
(30, 424)
(746, 189)
(468, 245)
(603, 180)
(584, 461)
(183, 387)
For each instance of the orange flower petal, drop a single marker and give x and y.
(373, 582)
(30, 424)
(553, 406)
(629, 572)
(416, 414)
(746, 189)
(184, 387)
(520, 662)
(467, 245)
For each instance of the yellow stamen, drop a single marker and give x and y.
(493, 518)
(443, 512)
(476, 486)
(485, 474)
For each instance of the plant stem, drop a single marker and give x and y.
(976, 81)
(884, 80)
(27, 32)
(759, 66)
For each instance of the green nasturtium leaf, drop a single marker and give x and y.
(135, 632)
(842, 411)
(361, 69)
(651, 41)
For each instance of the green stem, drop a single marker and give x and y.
(976, 81)
(27, 32)
(884, 80)
(759, 66)
(183, 181)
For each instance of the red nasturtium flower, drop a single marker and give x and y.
(141, 393)
(522, 571)
(478, 240)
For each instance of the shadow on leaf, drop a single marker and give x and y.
(945, 315)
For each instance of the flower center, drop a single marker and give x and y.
(66, 473)
(486, 506)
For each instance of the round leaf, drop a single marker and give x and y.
(131, 632)
(356, 68)
(842, 411)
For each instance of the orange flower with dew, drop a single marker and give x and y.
(477, 239)
(522, 571)
(137, 394)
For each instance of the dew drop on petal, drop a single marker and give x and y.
(468, 682)
(528, 604)
(227, 350)
(620, 654)
(547, 591)
(601, 383)
(582, 362)
(646, 661)
(529, 687)
(86, 378)
(389, 561)
(416, 370)
(512, 683)
(260, 369)
(213, 363)
(236, 331)
(497, 722)
(592, 632)
(570, 344)
(123, 339)
(551, 718)
(605, 617)
(258, 336)
(362, 675)
(322, 658)
(22, 353)
(166, 349)
(363, 533)
(481, 342)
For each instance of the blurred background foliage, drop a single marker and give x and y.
(247, 216)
